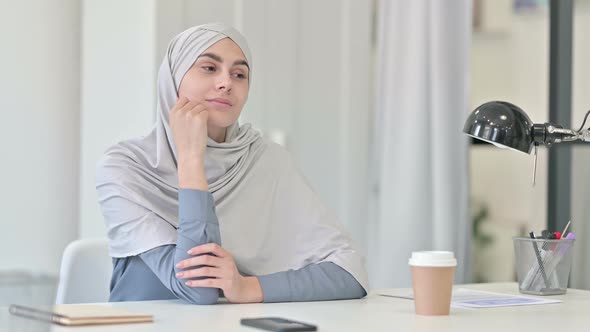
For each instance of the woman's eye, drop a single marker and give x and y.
(240, 76)
(208, 68)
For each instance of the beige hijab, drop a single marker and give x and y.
(269, 217)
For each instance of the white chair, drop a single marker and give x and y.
(85, 274)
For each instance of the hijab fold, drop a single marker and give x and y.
(269, 217)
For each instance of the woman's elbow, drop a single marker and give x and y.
(358, 290)
(361, 293)
(355, 292)
(206, 297)
(202, 296)
(195, 295)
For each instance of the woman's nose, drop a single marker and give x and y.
(224, 83)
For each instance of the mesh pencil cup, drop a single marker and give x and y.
(543, 266)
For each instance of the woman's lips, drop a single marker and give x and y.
(220, 102)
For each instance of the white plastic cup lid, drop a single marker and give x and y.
(433, 258)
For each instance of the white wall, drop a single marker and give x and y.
(39, 140)
(118, 87)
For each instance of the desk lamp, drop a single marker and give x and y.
(507, 126)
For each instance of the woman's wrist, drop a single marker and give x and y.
(191, 175)
(253, 290)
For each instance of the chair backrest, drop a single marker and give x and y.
(85, 273)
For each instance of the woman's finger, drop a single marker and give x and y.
(209, 283)
(201, 260)
(198, 108)
(188, 106)
(205, 271)
(181, 102)
(209, 248)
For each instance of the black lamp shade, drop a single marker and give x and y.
(502, 124)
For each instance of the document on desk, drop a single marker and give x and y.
(468, 298)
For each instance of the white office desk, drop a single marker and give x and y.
(373, 313)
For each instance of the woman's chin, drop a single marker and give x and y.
(221, 122)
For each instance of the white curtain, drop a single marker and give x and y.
(420, 196)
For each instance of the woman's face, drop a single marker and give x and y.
(219, 80)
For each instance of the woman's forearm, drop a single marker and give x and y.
(314, 282)
(198, 225)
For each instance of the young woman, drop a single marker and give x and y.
(203, 207)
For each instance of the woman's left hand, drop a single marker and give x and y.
(221, 272)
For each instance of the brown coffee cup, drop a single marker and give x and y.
(432, 281)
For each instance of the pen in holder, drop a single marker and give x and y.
(543, 266)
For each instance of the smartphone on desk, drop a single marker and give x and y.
(277, 324)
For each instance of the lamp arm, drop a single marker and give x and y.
(557, 134)
(548, 134)
(584, 135)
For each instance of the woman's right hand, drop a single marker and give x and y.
(188, 122)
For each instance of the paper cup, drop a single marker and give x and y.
(432, 280)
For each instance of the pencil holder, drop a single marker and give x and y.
(543, 266)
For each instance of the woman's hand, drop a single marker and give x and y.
(188, 122)
(222, 273)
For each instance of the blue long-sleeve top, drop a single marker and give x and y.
(151, 275)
